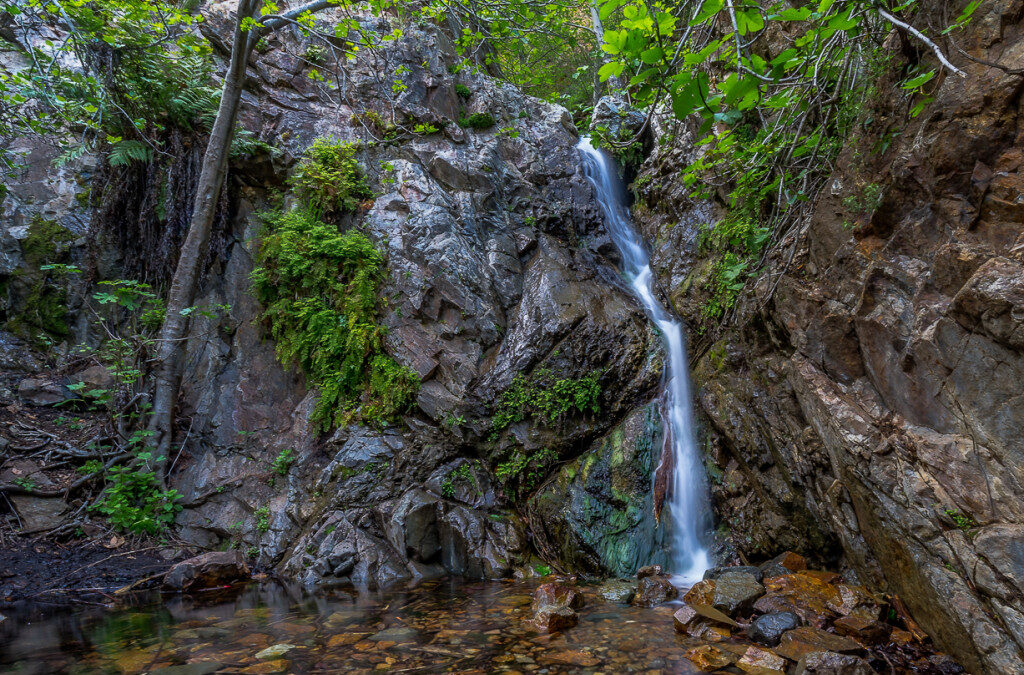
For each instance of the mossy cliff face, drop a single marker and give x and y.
(864, 402)
(597, 512)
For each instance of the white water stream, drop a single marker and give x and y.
(686, 501)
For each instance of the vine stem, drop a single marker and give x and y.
(921, 36)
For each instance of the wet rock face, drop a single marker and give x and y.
(491, 243)
(496, 267)
(866, 406)
(597, 512)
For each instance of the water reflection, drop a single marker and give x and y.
(438, 626)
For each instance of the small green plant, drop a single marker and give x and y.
(26, 484)
(253, 552)
(262, 515)
(522, 472)
(329, 179)
(463, 91)
(478, 121)
(134, 501)
(425, 129)
(963, 521)
(508, 132)
(464, 473)
(546, 398)
(541, 570)
(867, 201)
(284, 461)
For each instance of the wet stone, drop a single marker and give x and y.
(862, 628)
(769, 628)
(275, 651)
(649, 571)
(785, 563)
(759, 661)
(551, 619)
(617, 591)
(736, 592)
(201, 668)
(716, 572)
(653, 591)
(806, 639)
(557, 595)
(831, 663)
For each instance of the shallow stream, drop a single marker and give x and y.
(437, 626)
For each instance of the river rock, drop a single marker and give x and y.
(735, 592)
(209, 570)
(862, 628)
(784, 563)
(769, 628)
(716, 572)
(617, 590)
(275, 651)
(799, 641)
(553, 594)
(39, 514)
(709, 658)
(649, 571)
(759, 661)
(552, 618)
(831, 663)
(807, 596)
(654, 590)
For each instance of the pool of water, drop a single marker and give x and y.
(437, 626)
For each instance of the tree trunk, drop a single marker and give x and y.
(171, 342)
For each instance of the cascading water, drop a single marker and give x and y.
(687, 511)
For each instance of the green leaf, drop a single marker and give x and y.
(793, 14)
(918, 81)
(610, 69)
(707, 10)
(652, 55)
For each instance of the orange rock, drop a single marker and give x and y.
(900, 637)
(800, 641)
(863, 628)
(807, 596)
(701, 593)
(760, 661)
(708, 658)
(571, 657)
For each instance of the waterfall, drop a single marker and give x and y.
(686, 502)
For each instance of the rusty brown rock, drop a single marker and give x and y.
(804, 595)
(759, 661)
(553, 618)
(557, 595)
(831, 663)
(806, 639)
(708, 658)
(863, 628)
(209, 570)
(653, 591)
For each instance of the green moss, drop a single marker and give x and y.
(478, 121)
(41, 313)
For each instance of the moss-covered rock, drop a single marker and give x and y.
(597, 512)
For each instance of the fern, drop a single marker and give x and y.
(125, 152)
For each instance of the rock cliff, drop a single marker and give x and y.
(864, 400)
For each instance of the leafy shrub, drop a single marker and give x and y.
(463, 91)
(329, 179)
(546, 398)
(319, 289)
(284, 461)
(478, 121)
(522, 473)
(133, 501)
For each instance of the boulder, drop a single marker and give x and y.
(735, 592)
(649, 571)
(557, 595)
(209, 570)
(799, 641)
(784, 563)
(831, 663)
(769, 628)
(761, 662)
(41, 392)
(708, 658)
(716, 572)
(805, 595)
(552, 618)
(863, 628)
(688, 615)
(38, 514)
(617, 590)
(653, 591)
